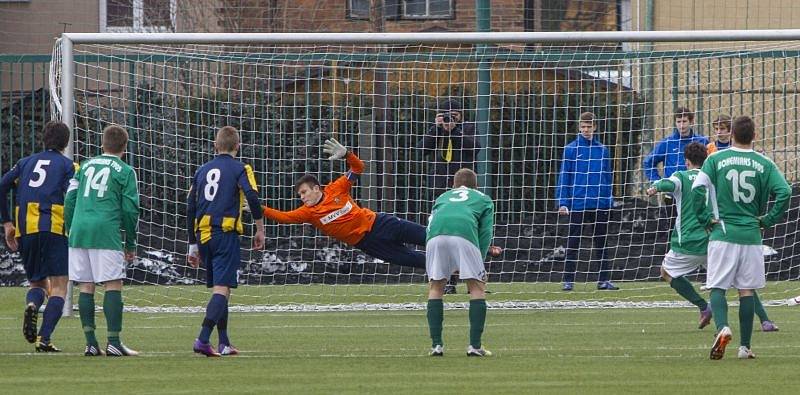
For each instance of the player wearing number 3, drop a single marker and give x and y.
(214, 221)
(102, 199)
(458, 237)
(739, 182)
(40, 182)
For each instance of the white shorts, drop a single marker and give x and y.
(677, 264)
(735, 265)
(444, 255)
(95, 266)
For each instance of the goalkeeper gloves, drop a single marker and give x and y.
(334, 149)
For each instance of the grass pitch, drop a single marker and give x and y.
(536, 351)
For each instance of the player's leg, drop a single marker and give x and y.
(108, 268)
(573, 243)
(599, 224)
(231, 255)
(766, 324)
(30, 251)
(379, 244)
(749, 277)
(674, 269)
(722, 266)
(55, 258)
(80, 271)
(472, 270)
(439, 267)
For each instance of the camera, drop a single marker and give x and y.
(446, 118)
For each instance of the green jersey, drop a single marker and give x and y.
(739, 184)
(463, 212)
(688, 236)
(102, 199)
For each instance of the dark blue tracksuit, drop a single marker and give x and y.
(584, 187)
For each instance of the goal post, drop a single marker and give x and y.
(379, 94)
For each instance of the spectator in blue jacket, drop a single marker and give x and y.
(584, 194)
(669, 151)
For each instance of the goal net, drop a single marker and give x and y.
(520, 102)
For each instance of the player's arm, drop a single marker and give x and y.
(191, 212)
(6, 183)
(565, 181)
(607, 176)
(652, 160)
(297, 216)
(486, 227)
(783, 193)
(700, 187)
(71, 198)
(247, 183)
(130, 213)
(338, 151)
(671, 184)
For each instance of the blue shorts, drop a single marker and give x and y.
(44, 254)
(221, 258)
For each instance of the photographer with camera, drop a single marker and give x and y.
(451, 143)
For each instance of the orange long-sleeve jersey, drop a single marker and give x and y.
(337, 215)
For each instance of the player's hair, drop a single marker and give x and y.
(465, 178)
(723, 120)
(588, 117)
(681, 112)
(115, 139)
(306, 179)
(696, 153)
(744, 129)
(227, 138)
(56, 135)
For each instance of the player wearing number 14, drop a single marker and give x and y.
(739, 182)
(102, 199)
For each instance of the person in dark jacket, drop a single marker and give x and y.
(584, 194)
(451, 144)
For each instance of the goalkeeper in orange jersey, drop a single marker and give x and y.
(333, 211)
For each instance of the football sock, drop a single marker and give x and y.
(214, 310)
(86, 310)
(35, 296)
(760, 312)
(222, 327)
(746, 307)
(685, 289)
(112, 309)
(477, 319)
(719, 308)
(52, 313)
(435, 320)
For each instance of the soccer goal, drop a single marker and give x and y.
(521, 96)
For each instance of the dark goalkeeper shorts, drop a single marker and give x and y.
(221, 258)
(44, 254)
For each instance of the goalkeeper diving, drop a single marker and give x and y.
(332, 210)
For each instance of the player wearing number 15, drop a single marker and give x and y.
(739, 182)
(458, 237)
(102, 199)
(214, 221)
(40, 182)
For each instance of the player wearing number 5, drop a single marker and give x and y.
(40, 182)
(102, 199)
(458, 237)
(739, 182)
(214, 222)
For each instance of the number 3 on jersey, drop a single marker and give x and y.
(463, 195)
(212, 184)
(98, 182)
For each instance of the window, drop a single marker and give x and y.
(137, 15)
(404, 9)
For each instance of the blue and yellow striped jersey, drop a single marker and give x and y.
(40, 182)
(216, 198)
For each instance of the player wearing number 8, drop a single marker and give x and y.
(739, 182)
(40, 182)
(458, 237)
(102, 199)
(214, 221)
